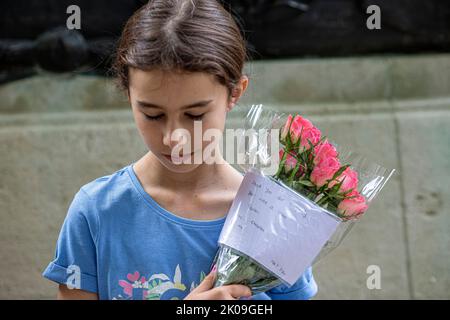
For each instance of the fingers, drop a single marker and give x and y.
(207, 282)
(205, 289)
(238, 290)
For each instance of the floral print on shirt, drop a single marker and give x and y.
(137, 287)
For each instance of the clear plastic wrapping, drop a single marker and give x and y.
(300, 197)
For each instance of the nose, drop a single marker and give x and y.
(177, 132)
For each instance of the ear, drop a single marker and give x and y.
(237, 92)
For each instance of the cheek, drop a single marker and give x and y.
(211, 130)
(216, 119)
(149, 131)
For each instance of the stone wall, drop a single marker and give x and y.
(60, 132)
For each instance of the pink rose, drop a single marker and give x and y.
(285, 130)
(324, 150)
(310, 134)
(349, 180)
(299, 126)
(324, 171)
(353, 206)
(290, 161)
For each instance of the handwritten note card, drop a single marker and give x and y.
(277, 227)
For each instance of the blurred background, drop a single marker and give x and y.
(381, 87)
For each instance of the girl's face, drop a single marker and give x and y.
(163, 102)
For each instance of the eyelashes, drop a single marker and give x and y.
(158, 117)
(155, 118)
(198, 117)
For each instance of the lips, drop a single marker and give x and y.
(180, 158)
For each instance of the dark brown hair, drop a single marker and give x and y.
(182, 35)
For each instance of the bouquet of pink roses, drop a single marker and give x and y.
(310, 165)
(307, 207)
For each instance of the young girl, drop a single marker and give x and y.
(150, 230)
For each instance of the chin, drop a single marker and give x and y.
(178, 168)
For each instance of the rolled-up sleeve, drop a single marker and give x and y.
(75, 259)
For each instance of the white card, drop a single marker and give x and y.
(279, 228)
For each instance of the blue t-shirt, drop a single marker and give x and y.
(121, 244)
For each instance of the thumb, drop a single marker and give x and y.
(208, 281)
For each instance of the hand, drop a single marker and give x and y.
(205, 290)
(64, 293)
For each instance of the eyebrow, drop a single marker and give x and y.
(146, 104)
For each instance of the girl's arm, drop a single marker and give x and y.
(75, 253)
(65, 293)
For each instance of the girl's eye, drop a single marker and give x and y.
(153, 117)
(195, 117)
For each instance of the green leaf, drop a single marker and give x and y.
(293, 173)
(322, 139)
(345, 194)
(339, 172)
(281, 164)
(299, 141)
(305, 183)
(311, 146)
(334, 190)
